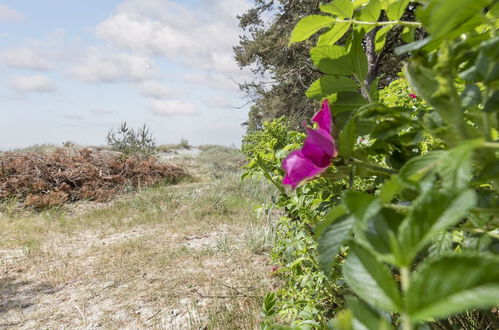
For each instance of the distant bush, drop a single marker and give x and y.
(129, 142)
(184, 143)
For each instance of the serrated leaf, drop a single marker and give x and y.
(379, 235)
(371, 11)
(432, 212)
(332, 60)
(370, 279)
(328, 84)
(443, 16)
(309, 25)
(331, 239)
(347, 101)
(365, 317)
(379, 42)
(418, 167)
(334, 34)
(396, 9)
(359, 58)
(361, 205)
(455, 168)
(340, 8)
(453, 284)
(348, 136)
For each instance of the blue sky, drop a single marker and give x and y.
(71, 70)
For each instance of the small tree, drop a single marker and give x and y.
(138, 143)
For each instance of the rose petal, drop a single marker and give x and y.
(318, 147)
(299, 168)
(323, 117)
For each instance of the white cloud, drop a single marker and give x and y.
(200, 39)
(24, 58)
(155, 90)
(171, 107)
(102, 112)
(107, 66)
(219, 102)
(8, 14)
(33, 83)
(217, 81)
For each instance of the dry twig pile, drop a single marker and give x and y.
(40, 180)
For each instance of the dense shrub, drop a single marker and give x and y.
(410, 232)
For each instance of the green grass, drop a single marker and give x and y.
(157, 244)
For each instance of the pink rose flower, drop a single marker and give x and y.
(412, 96)
(317, 151)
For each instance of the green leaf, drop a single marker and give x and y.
(359, 58)
(432, 212)
(332, 60)
(379, 43)
(408, 33)
(492, 103)
(389, 189)
(340, 8)
(334, 34)
(371, 280)
(453, 284)
(334, 214)
(348, 136)
(331, 239)
(347, 101)
(396, 9)
(471, 95)
(455, 168)
(418, 167)
(371, 11)
(268, 306)
(379, 235)
(365, 317)
(361, 205)
(309, 25)
(328, 84)
(440, 17)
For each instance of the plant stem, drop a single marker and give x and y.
(375, 168)
(354, 21)
(269, 177)
(404, 281)
(493, 145)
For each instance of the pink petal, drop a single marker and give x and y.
(318, 147)
(323, 117)
(299, 168)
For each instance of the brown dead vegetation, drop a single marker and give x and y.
(43, 180)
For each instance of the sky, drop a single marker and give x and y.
(72, 70)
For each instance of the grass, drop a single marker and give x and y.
(185, 256)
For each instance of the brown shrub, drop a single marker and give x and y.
(41, 180)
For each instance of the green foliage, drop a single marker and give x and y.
(129, 142)
(408, 210)
(425, 193)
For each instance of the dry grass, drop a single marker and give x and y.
(167, 257)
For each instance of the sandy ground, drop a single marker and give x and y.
(168, 273)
